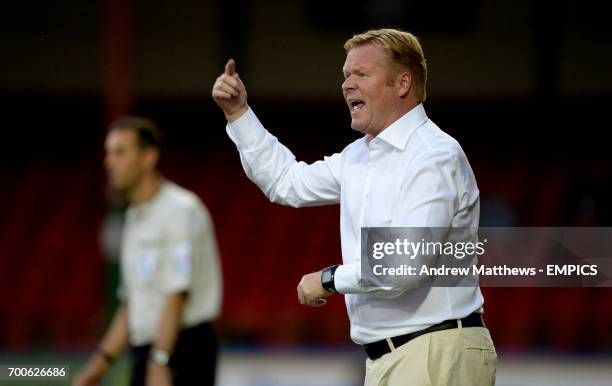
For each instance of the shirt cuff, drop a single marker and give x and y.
(346, 278)
(246, 131)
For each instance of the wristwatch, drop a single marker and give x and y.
(327, 278)
(159, 357)
(108, 358)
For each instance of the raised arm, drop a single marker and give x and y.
(266, 161)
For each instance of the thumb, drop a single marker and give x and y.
(230, 67)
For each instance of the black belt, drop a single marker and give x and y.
(377, 349)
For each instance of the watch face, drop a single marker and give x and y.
(326, 276)
(160, 357)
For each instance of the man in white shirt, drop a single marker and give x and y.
(170, 272)
(404, 172)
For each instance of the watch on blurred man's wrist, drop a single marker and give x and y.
(159, 357)
(108, 358)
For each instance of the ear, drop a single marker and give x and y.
(404, 82)
(151, 158)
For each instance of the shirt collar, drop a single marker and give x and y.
(398, 132)
(142, 209)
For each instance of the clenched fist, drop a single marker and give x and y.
(229, 92)
(311, 292)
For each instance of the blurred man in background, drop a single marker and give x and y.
(403, 172)
(170, 272)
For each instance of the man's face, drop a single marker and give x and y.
(369, 89)
(125, 161)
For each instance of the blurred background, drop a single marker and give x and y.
(525, 86)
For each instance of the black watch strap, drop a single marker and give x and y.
(108, 358)
(327, 278)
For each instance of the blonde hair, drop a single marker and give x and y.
(402, 48)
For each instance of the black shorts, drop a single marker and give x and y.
(193, 362)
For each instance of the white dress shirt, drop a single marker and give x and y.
(169, 246)
(412, 174)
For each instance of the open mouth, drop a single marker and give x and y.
(356, 104)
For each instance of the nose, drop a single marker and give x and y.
(348, 84)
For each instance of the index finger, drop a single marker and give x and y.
(230, 67)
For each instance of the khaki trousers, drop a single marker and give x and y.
(458, 356)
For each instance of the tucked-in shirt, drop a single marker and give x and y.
(412, 174)
(168, 247)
